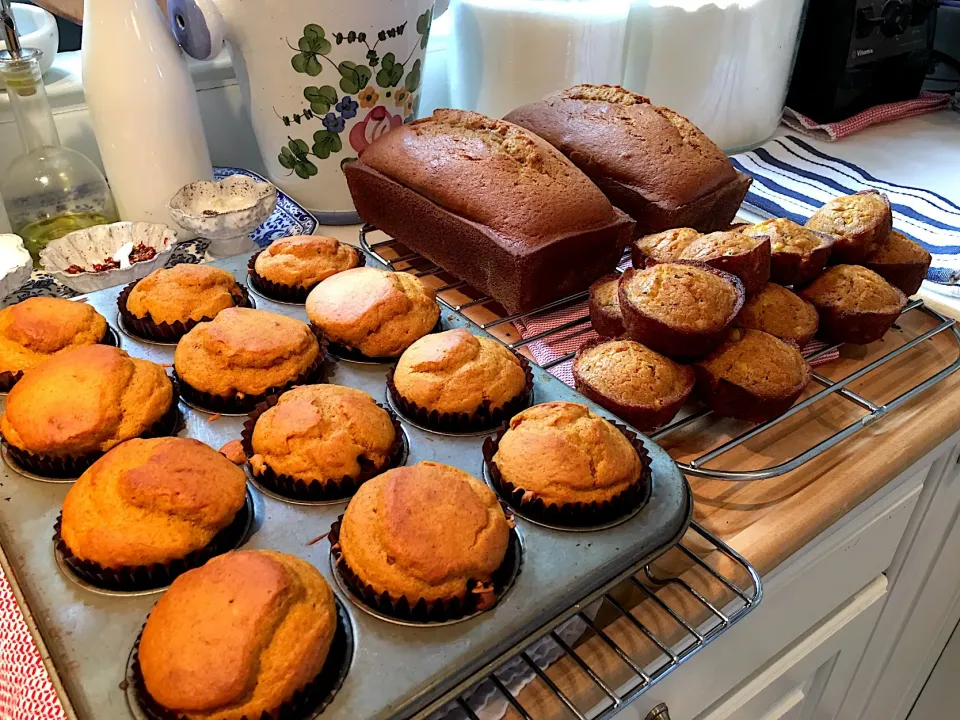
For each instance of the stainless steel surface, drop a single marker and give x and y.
(396, 670)
(10, 29)
(660, 712)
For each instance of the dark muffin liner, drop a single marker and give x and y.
(574, 515)
(73, 466)
(482, 419)
(424, 611)
(345, 352)
(133, 578)
(9, 379)
(147, 329)
(237, 404)
(317, 490)
(295, 294)
(307, 702)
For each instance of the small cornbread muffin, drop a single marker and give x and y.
(605, 315)
(85, 400)
(663, 246)
(644, 388)
(901, 262)
(859, 224)
(797, 254)
(752, 376)
(778, 311)
(428, 531)
(183, 293)
(244, 352)
(238, 637)
(303, 261)
(151, 501)
(39, 327)
(734, 252)
(679, 309)
(855, 304)
(372, 311)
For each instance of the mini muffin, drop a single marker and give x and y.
(319, 437)
(374, 312)
(742, 255)
(605, 315)
(663, 246)
(241, 354)
(901, 262)
(426, 532)
(86, 400)
(293, 266)
(752, 376)
(859, 223)
(455, 380)
(151, 502)
(778, 311)
(797, 254)
(679, 309)
(855, 304)
(644, 388)
(238, 637)
(38, 328)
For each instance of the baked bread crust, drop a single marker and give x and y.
(746, 257)
(604, 304)
(901, 262)
(777, 311)
(305, 260)
(184, 292)
(855, 304)
(797, 254)
(859, 223)
(37, 328)
(663, 246)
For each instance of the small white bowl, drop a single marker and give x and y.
(16, 265)
(38, 30)
(94, 244)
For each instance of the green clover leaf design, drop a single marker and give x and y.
(412, 81)
(325, 143)
(312, 45)
(423, 27)
(390, 73)
(293, 156)
(353, 77)
(320, 98)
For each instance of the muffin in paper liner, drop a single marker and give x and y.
(285, 293)
(345, 352)
(239, 404)
(65, 467)
(574, 515)
(320, 490)
(309, 701)
(147, 329)
(436, 611)
(150, 577)
(481, 419)
(9, 379)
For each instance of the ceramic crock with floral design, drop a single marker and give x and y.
(322, 80)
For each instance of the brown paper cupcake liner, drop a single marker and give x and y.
(482, 419)
(296, 294)
(345, 352)
(574, 515)
(320, 490)
(309, 701)
(147, 329)
(73, 466)
(9, 379)
(424, 611)
(133, 578)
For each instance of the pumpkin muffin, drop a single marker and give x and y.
(859, 223)
(644, 388)
(901, 262)
(289, 268)
(456, 380)
(778, 311)
(679, 309)
(40, 327)
(752, 376)
(797, 254)
(855, 304)
(238, 637)
(734, 252)
(605, 315)
(242, 354)
(85, 401)
(374, 312)
(663, 246)
(426, 532)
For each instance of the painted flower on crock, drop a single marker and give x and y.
(368, 97)
(408, 105)
(347, 107)
(376, 123)
(333, 122)
(401, 97)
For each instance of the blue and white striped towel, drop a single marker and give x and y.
(792, 179)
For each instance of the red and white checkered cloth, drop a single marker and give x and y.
(926, 102)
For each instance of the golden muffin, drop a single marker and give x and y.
(427, 531)
(901, 262)
(237, 637)
(85, 400)
(303, 261)
(734, 252)
(184, 293)
(663, 246)
(151, 501)
(778, 311)
(859, 224)
(855, 304)
(797, 254)
(374, 312)
(457, 373)
(605, 315)
(244, 352)
(630, 380)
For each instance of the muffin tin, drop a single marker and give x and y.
(396, 669)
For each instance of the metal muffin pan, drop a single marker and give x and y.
(396, 670)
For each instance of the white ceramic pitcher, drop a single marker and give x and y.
(321, 80)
